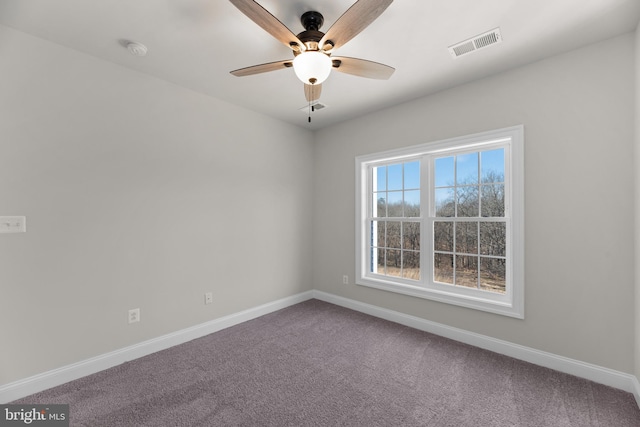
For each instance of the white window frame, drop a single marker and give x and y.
(511, 303)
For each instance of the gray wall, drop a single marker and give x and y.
(637, 207)
(578, 113)
(137, 193)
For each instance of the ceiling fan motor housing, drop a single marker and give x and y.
(310, 39)
(311, 21)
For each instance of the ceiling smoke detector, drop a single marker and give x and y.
(475, 43)
(136, 49)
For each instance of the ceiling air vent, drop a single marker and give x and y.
(475, 43)
(317, 106)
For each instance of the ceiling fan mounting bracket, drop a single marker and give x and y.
(312, 20)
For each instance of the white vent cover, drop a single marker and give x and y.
(317, 106)
(475, 43)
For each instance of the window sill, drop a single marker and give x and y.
(505, 308)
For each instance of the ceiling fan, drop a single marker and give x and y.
(312, 48)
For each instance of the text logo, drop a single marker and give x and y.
(34, 415)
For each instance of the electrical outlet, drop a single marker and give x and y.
(13, 224)
(134, 315)
(345, 280)
(208, 298)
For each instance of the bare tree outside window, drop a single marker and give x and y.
(396, 228)
(444, 220)
(469, 235)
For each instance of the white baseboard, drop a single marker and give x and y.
(55, 377)
(36, 383)
(598, 374)
(636, 390)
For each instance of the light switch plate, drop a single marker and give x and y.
(13, 224)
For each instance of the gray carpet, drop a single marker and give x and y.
(316, 364)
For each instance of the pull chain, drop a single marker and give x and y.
(311, 109)
(311, 98)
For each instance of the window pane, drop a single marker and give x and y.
(493, 200)
(467, 237)
(493, 275)
(394, 204)
(445, 202)
(381, 262)
(394, 263)
(493, 238)
(411, 236)
(467, 201)
(492, 164)
(378, 233)
(444, 172)
(393, 235)
(412, 175)
(443, 236)
(395, 245)
(467, 271)
(443, 268)
(380, 178)
(467, 169)
(394, 177)
(380, 205)
(411, 265)
(412, 203)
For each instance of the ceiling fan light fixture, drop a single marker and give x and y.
(312, 67)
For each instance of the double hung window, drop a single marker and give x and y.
(444, 221)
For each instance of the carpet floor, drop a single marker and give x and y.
(317, 364)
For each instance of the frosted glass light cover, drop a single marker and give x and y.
(312, 65)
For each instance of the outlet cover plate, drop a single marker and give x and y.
(13, 224)
(134, 315)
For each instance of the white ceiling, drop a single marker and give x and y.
(195, 43)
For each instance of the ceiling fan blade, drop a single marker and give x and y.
(312, 92)
(263, 68)
(362, 67)
(355, 19)
(268, 22)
